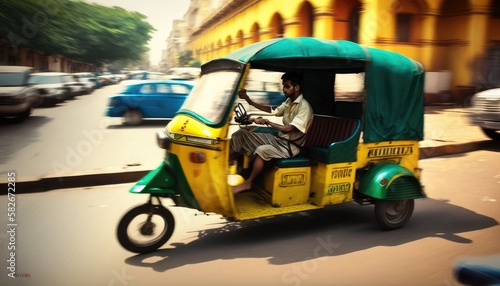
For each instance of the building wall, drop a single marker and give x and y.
(453, 35)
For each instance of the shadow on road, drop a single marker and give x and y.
(332, 231)
(145, 123)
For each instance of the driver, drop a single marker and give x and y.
(297, 117)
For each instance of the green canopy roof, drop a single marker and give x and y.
(394, 105)
(301, 53)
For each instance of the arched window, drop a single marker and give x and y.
(354, 23)
(255, 33)
(276, 25)
(306, 19)
(408, 21)
(239, 39)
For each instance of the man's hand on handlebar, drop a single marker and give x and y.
(261, 121)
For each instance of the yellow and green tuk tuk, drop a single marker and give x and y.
(362, 146)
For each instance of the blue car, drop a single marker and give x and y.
(149, 99)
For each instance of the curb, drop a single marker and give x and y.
(110, 178)
(73, 181)
(430, 152)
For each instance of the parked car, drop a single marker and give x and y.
(76, 86)
(190, 73)
(88, 80)
(17, 96)
(55, 87)
(145, 75)
(108, 78)
(138, 76)
(149, 99)
(485, 112)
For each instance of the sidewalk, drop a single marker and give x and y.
(447, 131)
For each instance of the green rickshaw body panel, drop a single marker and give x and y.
(167, 179)
(400, 183)
(157, 181)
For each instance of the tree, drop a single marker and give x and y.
(77, 30)
(186, 59)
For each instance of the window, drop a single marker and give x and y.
(39, 79)
(146, 89)
(350, 87)
(68, 78)
(211, 96)
(137, 76)
(12, 79)
(403, 27)
(177, 88)
(162, 88)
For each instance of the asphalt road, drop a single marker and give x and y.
(74, 136)
(67, 237)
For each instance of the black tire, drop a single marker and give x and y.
(129, 233)
(393, 214)
(493, 134)
(25, 114)
(22, 116)
(132, 117)
(49, 102)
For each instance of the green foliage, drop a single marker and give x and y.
(186, 60)
(78, 30)
(194, 63)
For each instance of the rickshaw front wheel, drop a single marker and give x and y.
(393, 214)
(145, 228)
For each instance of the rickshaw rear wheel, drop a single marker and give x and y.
(393, 214)
(145, 228)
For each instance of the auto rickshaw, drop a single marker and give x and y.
(364, 149)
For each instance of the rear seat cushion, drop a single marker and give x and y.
(326, 129)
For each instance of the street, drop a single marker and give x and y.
(74, 136)
(67, 237)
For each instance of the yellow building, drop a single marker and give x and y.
(460, 36)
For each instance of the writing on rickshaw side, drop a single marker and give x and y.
(363, 150)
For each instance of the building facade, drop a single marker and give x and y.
(459, 36)
(10, 55)
(177, 41)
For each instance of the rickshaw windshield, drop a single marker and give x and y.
(211, 96)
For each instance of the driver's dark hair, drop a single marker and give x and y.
(293, 77)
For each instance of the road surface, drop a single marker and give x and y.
(67, 237)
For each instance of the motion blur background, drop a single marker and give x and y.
(455, 40)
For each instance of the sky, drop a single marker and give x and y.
(159, 13)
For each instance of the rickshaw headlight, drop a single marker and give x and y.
(162, 140)
(197, 157)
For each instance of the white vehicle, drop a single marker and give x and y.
(88, 80)
(486, 112)
(190, 73)
(55, 87)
